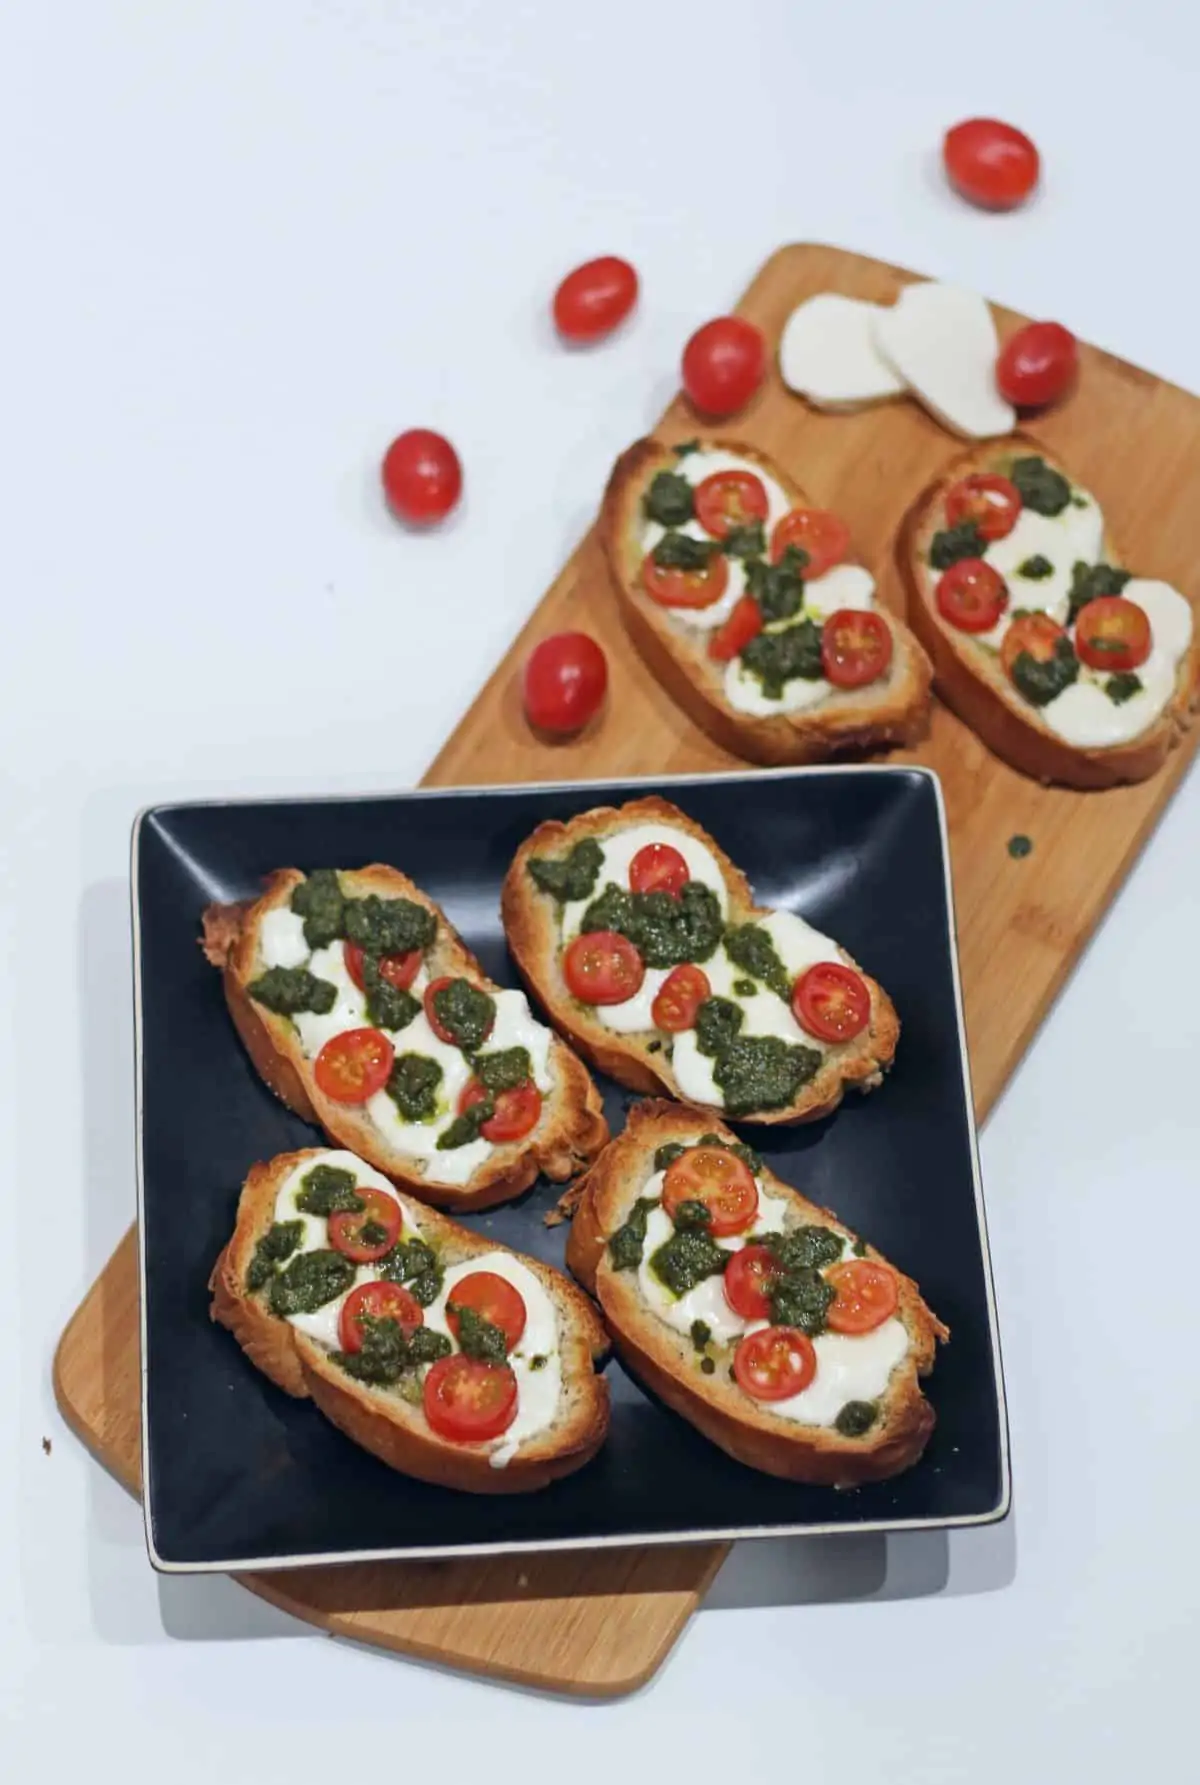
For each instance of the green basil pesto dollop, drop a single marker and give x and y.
(1039, 485)
(1089, 582)
(274, 1248)
(750, 947)
(477, 1337)
(1041, 681)
(669, 499)
(320, 902)
(679, 551)
(387, 1352)
(666, 931)
(464, 1012)
(856, 1418)
(416, 1265)
(289, 990)
(777, 658)
(1123, 686)
(778, 588)
(952, 544)
(310, 1281)
(329, 1190)
(413, 1086)
(687, 1258)
(571, 877)
(627, 1244)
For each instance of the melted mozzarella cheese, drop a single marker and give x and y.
(850, 1367)
(744, 691)
(515, 1027)
(538, 1391)
(322, 1324)
(281, 940)
(827, 353)
(942, 342)
(846, 585)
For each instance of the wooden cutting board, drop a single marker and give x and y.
(601, 1624)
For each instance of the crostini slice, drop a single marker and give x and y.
(739, 594)
(639, 936)
(450, 1357)
(1065, 664)
(759, 1317)
(365, 1012)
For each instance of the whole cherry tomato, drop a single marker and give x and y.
(564, 682)
(594, 298)
(994, 165)
(1038, 366)
(422, 476)
(723, 365)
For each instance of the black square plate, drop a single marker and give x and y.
(239, 1476)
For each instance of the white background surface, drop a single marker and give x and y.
(245, 242)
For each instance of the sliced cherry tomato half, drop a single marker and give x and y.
(972, 595)
(1112, 633)
(730, 499)
(823, 537)
(686, 588)
(832, 1002)
(431, 1015)
(1035, 635)
(994, 165)
(494, 1299)
(856, 647)
(1038, 365)
(518, 1111)
(366, 1234)
(723, 364)
(594, 298)
(603, 967)
(747, 1281)
(867, 1295)
(398, 969)
(564, 683)
(680, 996)
(990, 502)
(775, 1363)
(720, 1180)
(352, 1066)
(422, 476)
(730, 638)
(377, 1301)
(467, 1400)
(658, 867)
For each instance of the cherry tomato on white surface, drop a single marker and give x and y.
(422, 477)
(991, 164)
(564, 682)
(595, 298)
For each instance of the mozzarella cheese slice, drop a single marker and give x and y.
(828, 353)
(942, 342)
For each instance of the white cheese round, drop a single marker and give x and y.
(827, 353)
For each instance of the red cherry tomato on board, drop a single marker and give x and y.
(1038, 366)
(994, 165)
(723, 365)
(594, 298)
(564, 682)
(422, 476)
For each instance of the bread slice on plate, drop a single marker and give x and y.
(1104, 693)
(694, 1249)
(465, 1117)
(520, 1361)
(703, 986)
(751, 655)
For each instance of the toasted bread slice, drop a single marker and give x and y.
(972, 681)
(643, 1059)
(379, 1417)
(889, 712)
(809, 1446)
(571, 1128)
